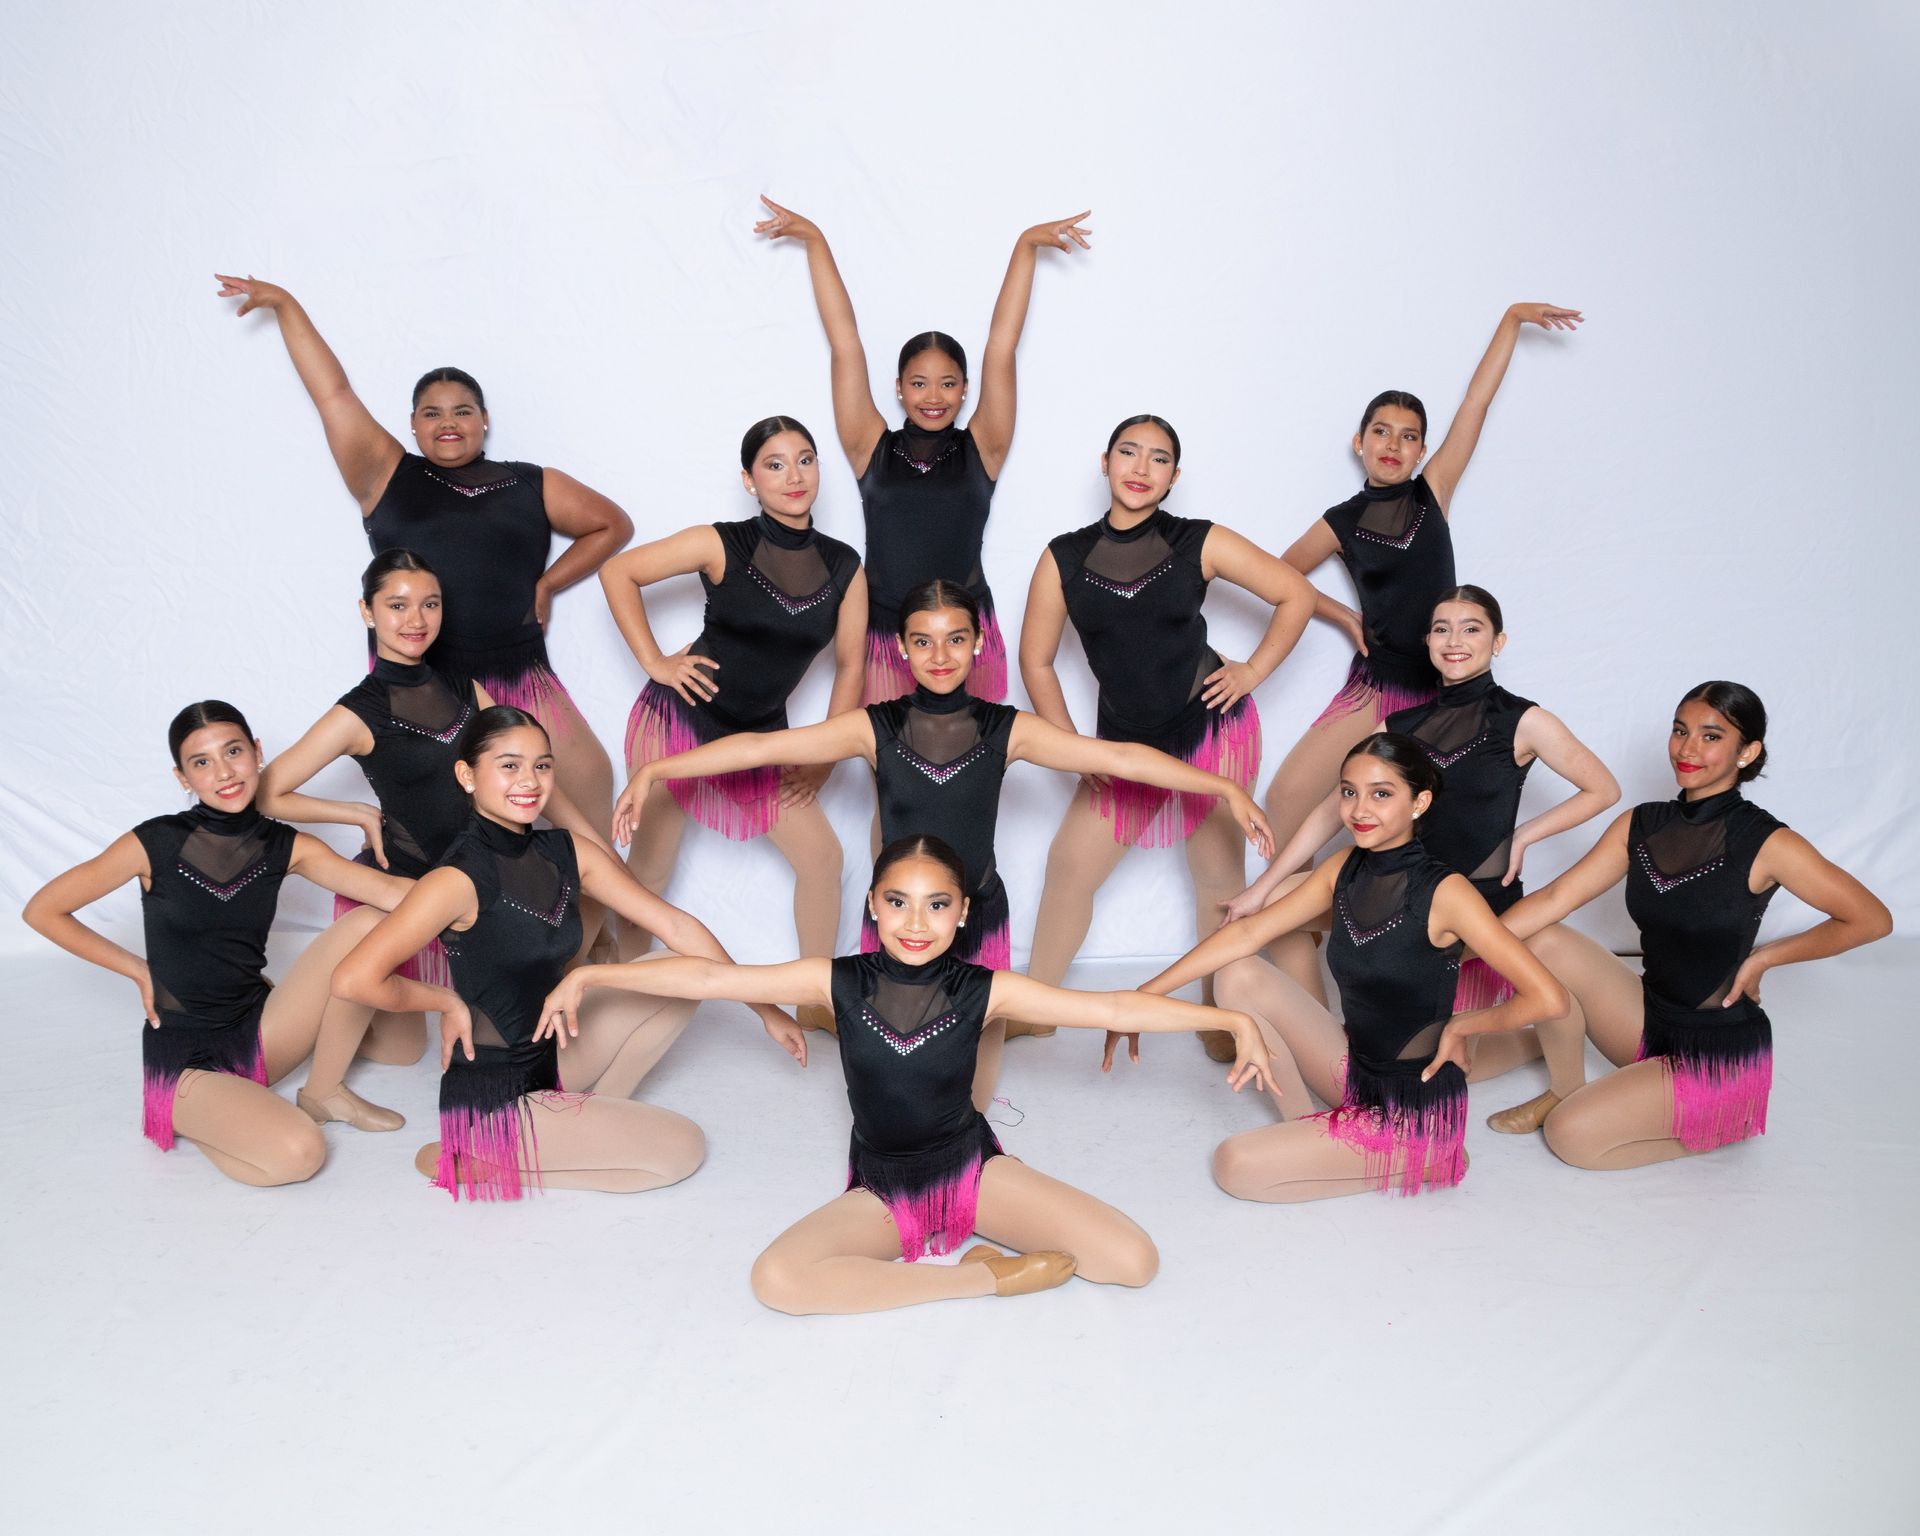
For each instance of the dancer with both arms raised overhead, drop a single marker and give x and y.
(939, 756)
(218, 1031)
(925, 1167)
(1693, 1047)
(926, 487)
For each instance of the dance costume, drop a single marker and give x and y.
(1688, 864)
(938, 762)
(214, 884)
(483, 528)
(774, 609)
(926, 496)
(1135, 599)
(1468, 731)
(527, 890)
(1396, 990)
(909, 1038)
(1395, 544)
(415, 714)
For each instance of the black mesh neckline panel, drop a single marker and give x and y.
(1391, 516)
(474, 478)
(1123, 567)
(430, 707)
(532, 883)
(909, 1013)
(224, 864)
(941, 740)
(797, 578)
(1681, 850)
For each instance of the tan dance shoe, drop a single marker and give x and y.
(427, 1160)
(345, 1105)
(1524, 1119)
(815, 1016)
(1021, 1274)
(1218, 1044)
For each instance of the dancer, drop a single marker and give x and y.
(939, 756)
(1394, 540)
(778, 593)
(484, 524)
(1485, 740)
(1133, 584)
(505, 901)
(1397, 1071)
(925, 1168)
(399, 723)
(925, 487)
(1693, 1046)
(218, 1031)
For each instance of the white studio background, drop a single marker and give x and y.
(1294, 208)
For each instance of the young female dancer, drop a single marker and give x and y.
(925, 487)
(484, 524)
(1694, 1048)
(505, 902)
(1393, 538)
(939, 755)
(399, 723)
(1397, 1071)
(218, 1031)
(1485, 740)
(925, 1168)
(778, 593)
(1133, 584)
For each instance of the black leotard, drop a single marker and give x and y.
(926, 497)
(415, 713)
(483, 528)
(1468, 732)
(1395, 543)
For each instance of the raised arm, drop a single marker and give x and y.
(855, 416)
(1306, 555)
(1854, 915)
(1602, 868)
(49, 913)
(994, 410)
(1461, 912)
(1449, 461)
(336, 734)
(595, 524)
(363, 450)
(625, 577)
(1232, 557)
(1542, 735)
(1040, 629)
(1320, 825)
(314, 860)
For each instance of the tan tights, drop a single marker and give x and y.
(1312, 768)
(841, 1257)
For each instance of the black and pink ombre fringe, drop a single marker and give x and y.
(487, 1145)
(1146, 816)
(737, 805)
(171, 1049)
(1367, 688)
(429, 965)
(1412, 1134)
(932, 1198)
(889, 676)
(1720, 1062)
(1480, 986)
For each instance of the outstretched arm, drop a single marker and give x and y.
(763, 988)
(594, 522)
(1320, 824)
(1449, 461)
(364, 451)
(336, 734)
(1040, 629)
(993, 413)
(1602, 868)
(1541, 735)
(1854, 915)
(1308, 900)
(49, 913)
(856, 417)
(1231, 557)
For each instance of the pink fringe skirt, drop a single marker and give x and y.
(181, 1045)
(1368, 687)
(1720, 1062)
(737, 805)
(889, 676)
(1412, 1134)
(933, 1197)
(1146, 816)
(429, 965)
(1480, 986)
(487, 1144)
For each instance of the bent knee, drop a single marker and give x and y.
(779, 1282)
(292, 1156)
(1576, 1136)
(1134, 1261)
(683, 1150)
(1233, 985)
(1234, 1169)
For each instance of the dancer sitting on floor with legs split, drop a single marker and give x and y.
(1397, 1072)
(1693, 1047)
(504, 900)
(925, 1168)
(939, 756)
(1133, 584)
(1484, 739)
(926, 488)
(778, 593)
(1393, 537)
(485, 525)
(218, 1031)
(399, 723)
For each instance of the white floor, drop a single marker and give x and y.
(1725, 1345)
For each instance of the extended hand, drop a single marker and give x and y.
(1113, 1040)
(1252, 822)
(1251, 1061)
(785, 222)
(253, 293)
(1549, 317)
(785, 1032)
(1061, 234)
(626, 810)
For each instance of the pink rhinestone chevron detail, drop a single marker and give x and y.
(795, 606)
(1128, 589)
(222, 892)
(1400, 543)
(1367, 937)
(551, 919)
(906, 1045)
(940, 773)
(1664, 883)
(1447, 759)
(466, 714)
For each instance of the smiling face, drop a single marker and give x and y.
(1140, 469)
(917, 906)
(220, 765)
(1461, 641)
(940, 646)
(785, 477)
(1391, 445)
(449, 425)
(404, 615)
(1707, 750)
(1376, 804)
(512, 778)
(931, 388)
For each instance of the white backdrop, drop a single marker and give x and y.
(1294, 208)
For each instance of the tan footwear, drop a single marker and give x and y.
(1524, 1119)
(1018, 1027)
(814, 1016)
(427, 1160)
(1021, 1274)
(1218, 1043)
(345, 1105)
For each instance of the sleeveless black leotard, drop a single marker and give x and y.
(527, 891)
(214, 886)
(1396, 545)
(1689, 863)
(415, 714)
(1396, 989)
(909, 1042)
